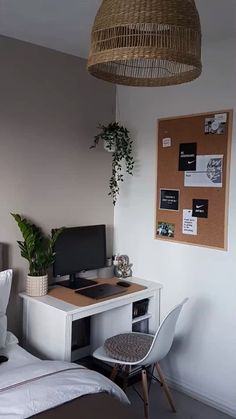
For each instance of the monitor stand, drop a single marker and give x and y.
(75, 283)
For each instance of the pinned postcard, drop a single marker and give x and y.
(189, 223)
(208, 174)
(166, 142)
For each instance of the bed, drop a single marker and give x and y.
(30, 387)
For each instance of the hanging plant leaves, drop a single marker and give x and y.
(118, 138)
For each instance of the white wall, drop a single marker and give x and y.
(49, 112)
(203, 359)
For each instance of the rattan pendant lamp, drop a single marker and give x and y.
(146, 42)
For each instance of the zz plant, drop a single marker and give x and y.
(36, 248)
(117, 140)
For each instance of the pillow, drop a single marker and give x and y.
(5, 288)
(3, 331)
(11, 339)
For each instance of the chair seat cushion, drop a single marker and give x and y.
(128, 347)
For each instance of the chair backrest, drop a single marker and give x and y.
(164, 337)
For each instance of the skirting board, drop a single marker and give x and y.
(218, 404)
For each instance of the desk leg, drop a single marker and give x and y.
(25, 324)
(68, 338)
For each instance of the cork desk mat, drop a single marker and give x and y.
(69, 296)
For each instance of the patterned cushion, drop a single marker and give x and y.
(130, 347)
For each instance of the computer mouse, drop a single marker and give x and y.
(123, 284)
(3, 359)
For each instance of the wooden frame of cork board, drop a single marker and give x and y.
(180, 193)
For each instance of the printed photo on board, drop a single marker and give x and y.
(214, 126)
(208, 174)
(165, 229)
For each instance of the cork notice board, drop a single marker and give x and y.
(193, 166)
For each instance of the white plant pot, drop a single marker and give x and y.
(36, 286)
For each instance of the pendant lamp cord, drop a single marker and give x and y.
(118, 115)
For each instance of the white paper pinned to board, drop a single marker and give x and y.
(189, 223)
(166, 142)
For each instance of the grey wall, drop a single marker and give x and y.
(49, 111)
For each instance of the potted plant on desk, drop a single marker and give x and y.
(39, 251)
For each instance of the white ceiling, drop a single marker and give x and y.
(65, 25)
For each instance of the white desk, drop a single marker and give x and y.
(48, 322)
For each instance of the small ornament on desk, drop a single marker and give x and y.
(115, 259)
(123, 267)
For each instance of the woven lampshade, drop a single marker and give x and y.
(146, 42)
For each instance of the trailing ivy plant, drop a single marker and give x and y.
(117, 140)
(36, 248)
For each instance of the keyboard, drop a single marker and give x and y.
(101, 291)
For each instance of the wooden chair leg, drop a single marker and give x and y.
(114, 372)
(126, 377)
(165, 387)
(145, 394)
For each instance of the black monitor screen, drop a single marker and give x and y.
(80, 248)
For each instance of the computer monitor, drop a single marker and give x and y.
(79, 249)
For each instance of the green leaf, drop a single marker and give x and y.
(36, 248)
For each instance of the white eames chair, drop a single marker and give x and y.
(159, 346)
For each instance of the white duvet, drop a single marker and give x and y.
(30, 389)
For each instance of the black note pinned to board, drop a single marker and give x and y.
(187, 156)
(200, 208)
